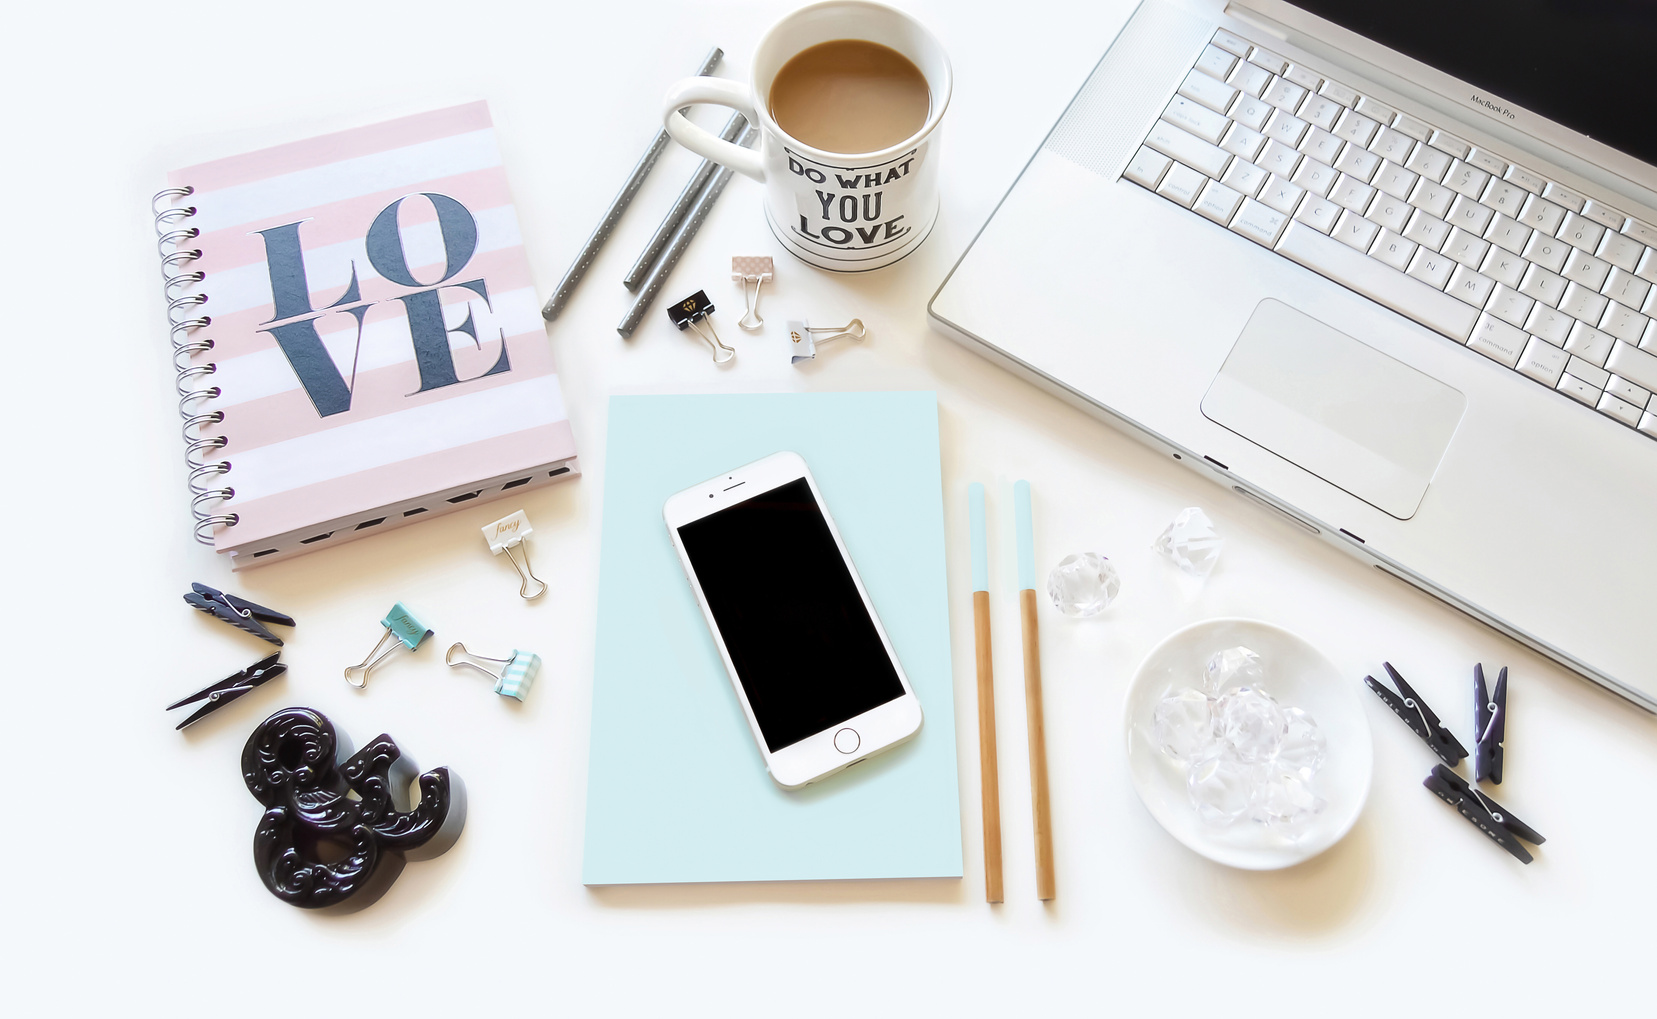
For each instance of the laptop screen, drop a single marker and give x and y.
(1582, 63)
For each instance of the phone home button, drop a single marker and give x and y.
(847, 741)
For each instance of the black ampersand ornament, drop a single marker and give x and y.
(319, 847)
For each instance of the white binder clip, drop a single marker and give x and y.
(506, 534)
(802, 343)
(755, 269)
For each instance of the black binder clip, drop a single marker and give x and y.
(1489, 725)
(238, 612)
(1415, 713)
(1485, 813)
(228, 689)
(692, 314)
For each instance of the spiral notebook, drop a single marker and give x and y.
(356, 336)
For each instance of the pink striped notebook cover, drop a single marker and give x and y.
(376, 345)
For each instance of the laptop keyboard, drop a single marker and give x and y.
(1551, 283)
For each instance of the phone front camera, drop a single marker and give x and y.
(710, 495)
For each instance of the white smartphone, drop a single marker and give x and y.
(810, 663)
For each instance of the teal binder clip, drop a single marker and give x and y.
(399, 623)
(515, 676)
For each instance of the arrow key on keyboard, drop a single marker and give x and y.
(1622, 410)
(1577, 389)
(1624, 389)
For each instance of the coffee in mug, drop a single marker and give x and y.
(848, 96)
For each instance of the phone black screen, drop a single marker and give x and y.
(1582, 63)
(806, 652)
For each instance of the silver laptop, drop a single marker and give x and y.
(1386, 269)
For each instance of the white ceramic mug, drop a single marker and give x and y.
(839, 211)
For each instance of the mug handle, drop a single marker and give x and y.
(719, 92)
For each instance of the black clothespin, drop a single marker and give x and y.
(1489, 726)
(1415, 713)
(231, 687)
(238, 612)
(1485, 813)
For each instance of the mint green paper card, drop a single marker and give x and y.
(676, 788)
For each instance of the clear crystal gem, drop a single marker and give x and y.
(1190, 542)
(1286, 801)
(1221, 788)
(1245, 756)
(1083, 584)
(1251, 723)
(1183, 725)
(1235, 666)
(1303, 748)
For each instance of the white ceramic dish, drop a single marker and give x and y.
(1298, 675)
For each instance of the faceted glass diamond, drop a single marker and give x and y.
(1286, 801)
(1251, 723)
(1083, 584)
(1183, 725)
(1221, 788)
(1235, 666)
(1190, 542)
(1303, 748)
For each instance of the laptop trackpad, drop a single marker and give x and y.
(1357, 418)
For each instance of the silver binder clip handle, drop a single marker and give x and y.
(755, 269)
(852, 330)
(357, 675)
(506, 534)
(526, 575)
(457, 656)
(751, 319)
(722, 353)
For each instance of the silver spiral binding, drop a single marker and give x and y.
(208, 497)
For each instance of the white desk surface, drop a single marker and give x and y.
(128, 878)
